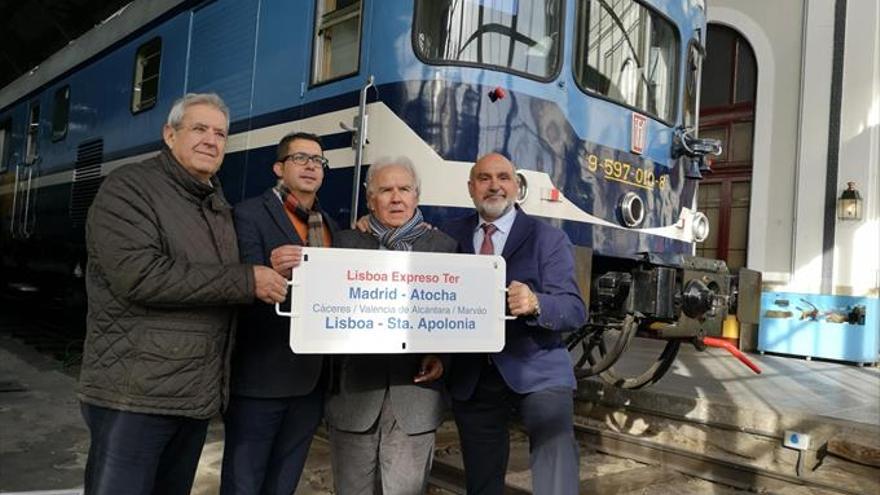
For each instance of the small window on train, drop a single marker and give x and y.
(145, 87)
(60, 113)
(522, 36)
(337, 40)
(629, 54)
(4, 145)
(33, 134)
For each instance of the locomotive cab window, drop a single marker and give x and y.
(145, 87)
(337, 40)
(60, 113)
(627, 53)
(521, 36)
(4, 145)
(32, 147)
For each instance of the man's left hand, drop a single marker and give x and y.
(521, 300)
(431, 369)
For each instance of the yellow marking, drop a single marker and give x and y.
(650, 188)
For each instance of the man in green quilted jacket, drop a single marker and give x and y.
(163, 278)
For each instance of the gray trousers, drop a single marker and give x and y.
(383, 456)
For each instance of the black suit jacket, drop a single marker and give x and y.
(262, 363)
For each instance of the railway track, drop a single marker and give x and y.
(615, 459)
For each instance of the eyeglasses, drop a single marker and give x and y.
(301, 159)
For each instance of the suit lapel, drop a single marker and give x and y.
(276, 211)
(519, 232)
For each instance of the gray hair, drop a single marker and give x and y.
(175, 116)
(385, 162)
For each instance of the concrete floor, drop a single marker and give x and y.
(43, 441)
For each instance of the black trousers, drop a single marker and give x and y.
(141, 454)
(483, 425)
(267, 442)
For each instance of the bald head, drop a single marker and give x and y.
(490, 160)
(493, 186)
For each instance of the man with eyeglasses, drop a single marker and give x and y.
(277, 396)
(163, 280)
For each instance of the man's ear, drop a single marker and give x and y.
(168, 135)
(277, 167)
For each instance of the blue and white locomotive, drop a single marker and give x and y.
(595, 101)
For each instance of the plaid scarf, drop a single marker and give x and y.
(400, 238)
(312, 217)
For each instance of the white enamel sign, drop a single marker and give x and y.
(352, 301)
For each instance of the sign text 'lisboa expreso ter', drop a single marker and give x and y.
(348, 301)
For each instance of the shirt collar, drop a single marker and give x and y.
(503, 223)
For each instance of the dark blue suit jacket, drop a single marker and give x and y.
(534, 356)
(262, 363)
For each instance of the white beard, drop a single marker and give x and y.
(493, 209)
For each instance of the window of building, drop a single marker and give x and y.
(729, 70)
(629, 54)
(522, 36)
(337, 40)
(145, 86)
(727, 113)
(4, 145)
(33, 134)
(60, 113)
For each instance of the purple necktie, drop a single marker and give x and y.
(487, 247)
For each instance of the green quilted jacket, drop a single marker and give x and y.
(163, 279)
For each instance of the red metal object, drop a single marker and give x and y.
(497, 94)
(723, 344)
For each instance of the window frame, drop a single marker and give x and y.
(696, 49)
(56, 136)
(136, 85)
(314, 61)
(676, 114)
(557, 68)
(5, 144)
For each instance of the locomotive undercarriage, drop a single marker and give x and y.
(677, 301)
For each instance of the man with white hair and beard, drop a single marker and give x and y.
(533, 374)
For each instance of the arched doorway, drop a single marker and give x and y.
(727, 113)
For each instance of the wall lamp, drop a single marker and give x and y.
(849, 205)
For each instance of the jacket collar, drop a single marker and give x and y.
(199, 190)
(273, 205)
(523, 225)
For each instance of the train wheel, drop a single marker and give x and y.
(597, 348)
(651, 375)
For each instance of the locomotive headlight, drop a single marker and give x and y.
(700, 227)
(523, 189)
(631, 209)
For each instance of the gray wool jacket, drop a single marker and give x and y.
(364, 379)
(162, 277)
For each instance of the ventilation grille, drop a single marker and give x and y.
(86, 180)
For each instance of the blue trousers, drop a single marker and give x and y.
(267, 442)
(140, 454)
(547, 415)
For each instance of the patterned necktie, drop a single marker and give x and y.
(487, 247)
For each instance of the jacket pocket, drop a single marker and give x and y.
(169, 364)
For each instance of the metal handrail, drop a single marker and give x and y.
(359, 150)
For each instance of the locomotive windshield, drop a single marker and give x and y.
(517, 35)
(628, 54)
